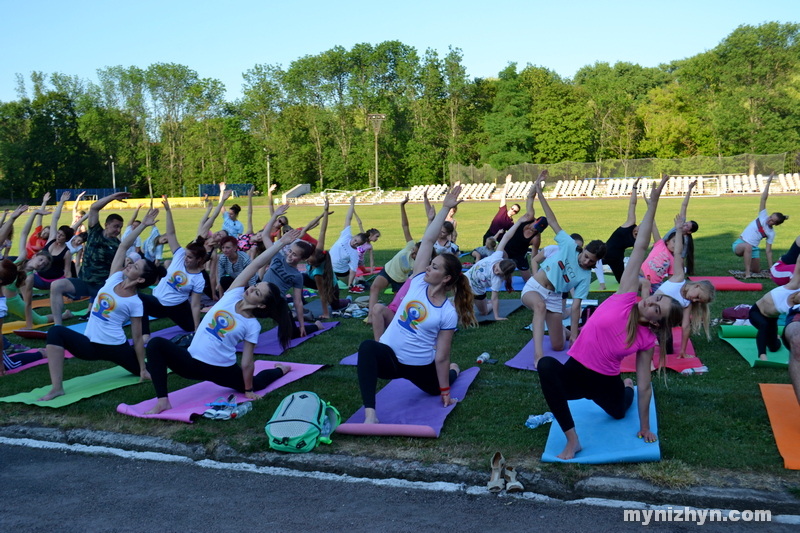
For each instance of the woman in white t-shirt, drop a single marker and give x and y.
(493, 273)
(746, 245)
(177, 295)
(234, 319)
(116, 303)
(416, 345)
(344, 252)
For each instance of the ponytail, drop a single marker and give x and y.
(277, 309)
(463, 302)
(326, 288)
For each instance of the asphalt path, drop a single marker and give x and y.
(52, 490)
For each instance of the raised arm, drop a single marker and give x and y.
(119, 258)
(134, 216)
(269, 198)
(404, 220)
(57, 215)
(348, 218)
(358, 221)
(77, 223)
(511, 231)
(654, 229)
(430, 212)
(266, 232)
(631, 220)
(207, 223)
(172, 237)
(5, 229)
(548, 212)
(26, 230)
(630, 277)
(685, 204)
(433, 229)
(505, 191)
(94, 210)
(678, 274)
(323, 227)
(250, 209)
(765, 194)
(264, 258)
(76, 204)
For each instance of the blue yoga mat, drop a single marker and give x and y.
(603, 439)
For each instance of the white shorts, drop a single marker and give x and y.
(552, 299)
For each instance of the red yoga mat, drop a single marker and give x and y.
(728, 283)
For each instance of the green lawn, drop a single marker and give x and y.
(714, 424)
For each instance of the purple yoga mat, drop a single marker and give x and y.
(350, 360)
(524, 359)
(406, 411)
(192, 400)
(67, 355)
(268, 341)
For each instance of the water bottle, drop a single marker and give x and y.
(534, 421)
(483, 357)
(242, 409)
(698, 370)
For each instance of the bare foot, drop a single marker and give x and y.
(161, 405)
(570, 450)
(67, 315)
(370, 416)
(284, 368)
(763, 357)
(318, 324)
(54, 393)
(628, 382)
(455, 367)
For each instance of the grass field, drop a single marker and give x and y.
(711, 427)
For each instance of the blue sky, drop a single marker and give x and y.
(223, 39)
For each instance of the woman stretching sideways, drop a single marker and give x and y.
(618, 328)
(746, 245)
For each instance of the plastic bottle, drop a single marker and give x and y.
(699, 370)
(242, 409)
(534, 421)
(483, 357)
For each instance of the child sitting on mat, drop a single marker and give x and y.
(619, 327)
(764, 315)
(492, 273)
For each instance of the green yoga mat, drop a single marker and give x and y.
(77, 389)
(746, 346)
(611, 285)
(741, 332)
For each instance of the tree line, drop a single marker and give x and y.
(168, 130)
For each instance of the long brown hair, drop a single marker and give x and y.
(663, 331)
(462, 292)
(322, 259)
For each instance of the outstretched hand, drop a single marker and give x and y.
(647, 435)
(150, 218)
(281, 210)
(451, 199)
(679, 220)
(251, 191)
(290, 236)
(404, 201)
(225, 194)
(692, 185)
(18, 211)
(165, 202)
(120, 196)
(352, 200)
(65, 196)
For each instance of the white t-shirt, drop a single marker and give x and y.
(178, 285)
(673, 290)
(73, 249)
(780, 297)
(110, 312)
(416, 325)
(136, 244)
(482, 277)
(222, 329)
(343, 256)
(751, 234)
(448, 248)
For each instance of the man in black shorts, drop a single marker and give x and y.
(98, 253)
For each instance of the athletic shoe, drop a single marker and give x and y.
(357, 289)
(15, 348)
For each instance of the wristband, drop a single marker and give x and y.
(443, 389)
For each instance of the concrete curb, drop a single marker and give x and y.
(623, 489)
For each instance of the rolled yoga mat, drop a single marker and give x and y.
(746, 347)
(406, 411)
(784, 414)
(603, 439)
(191, 401)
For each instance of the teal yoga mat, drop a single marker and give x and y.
(603, 439)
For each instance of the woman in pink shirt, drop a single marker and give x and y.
(618, 328)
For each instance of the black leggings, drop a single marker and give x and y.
(767, 327)
(572, 381)
(181, 314)
(616, 264)
(163, 354)
(81, 347)
(10, 362)
(377, 360)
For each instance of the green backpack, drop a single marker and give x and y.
(301, 422)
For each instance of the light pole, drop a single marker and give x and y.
(269, 182)
(376, 119)
(113, 175)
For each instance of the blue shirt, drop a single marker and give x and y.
(233, 227)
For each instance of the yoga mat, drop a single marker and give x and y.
(268, 341)
(41, 361)
(406, 411)
(192, 400)
(673, 361)
(517, 284)
(784, 414)
(743, 332)
(524, 359)
(350, 360)
(612, 285)
(746, 347)
(728, 283)
(603, 439)
(30, 334)
(77, 389)
(361, 272)
(10, 327)
(315, 306)
(505, 306)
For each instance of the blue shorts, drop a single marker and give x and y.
(756, 251)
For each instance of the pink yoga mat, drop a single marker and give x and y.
(268, 341)
(406, 411)
(67, 355)
(192, 400)
(524, 359)
(673, 361)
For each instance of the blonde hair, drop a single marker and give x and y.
(663, 331)
(699, 311)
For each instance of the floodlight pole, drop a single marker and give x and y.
(113, 174)
(376, 119)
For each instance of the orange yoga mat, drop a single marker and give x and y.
(784, 416)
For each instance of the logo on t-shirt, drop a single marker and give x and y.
(104, 303)
(413, 315)
(178, 280)
(222, 323)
